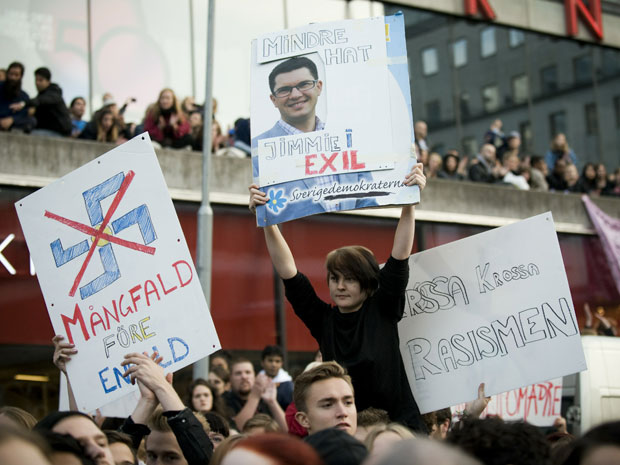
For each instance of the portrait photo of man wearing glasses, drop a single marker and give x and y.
(295, 87)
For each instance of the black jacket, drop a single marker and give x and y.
(51, 111)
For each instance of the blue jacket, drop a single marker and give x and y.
(20, 118)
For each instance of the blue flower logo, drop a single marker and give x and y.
(276, 200)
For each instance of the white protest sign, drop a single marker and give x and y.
(115, 270)
(539, 404)
(119, 408)
(493, 308)
(332, 127)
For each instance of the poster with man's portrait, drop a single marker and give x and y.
(331, 120)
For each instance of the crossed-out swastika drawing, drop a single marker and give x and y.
(102, 234)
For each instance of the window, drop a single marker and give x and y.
(591, 119)
(433, 111)
(549, 79)
(459, 53)
(515, 37)
(582, 67)
(464, 105)
(525, 129)
(610, 62)
(557, 123)
(520, 89)
(490, 98)
(430, 64)
(487, 42)
(470, 146)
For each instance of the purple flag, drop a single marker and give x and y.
(608, 230)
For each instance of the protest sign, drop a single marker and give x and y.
(493, 308)
(332, 127)
(115, 270)
(539, 404)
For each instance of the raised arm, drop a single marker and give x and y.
(279, 251)
(62, 355)
(405, 230)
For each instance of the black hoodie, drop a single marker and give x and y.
(51, 111)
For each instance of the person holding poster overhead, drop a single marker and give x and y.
(295, 89)
(360, 330)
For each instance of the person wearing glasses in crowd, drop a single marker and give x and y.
(295, 88)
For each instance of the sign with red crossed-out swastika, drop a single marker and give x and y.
(115, 270)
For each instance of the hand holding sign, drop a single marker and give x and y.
(62, 352)
(477, 406)
(151, 377)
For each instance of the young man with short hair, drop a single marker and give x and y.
(324, 399)
(13, 114)
(50, 110)
(272, 359)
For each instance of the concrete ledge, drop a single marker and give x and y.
(33, 161)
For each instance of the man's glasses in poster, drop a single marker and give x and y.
(285, 91)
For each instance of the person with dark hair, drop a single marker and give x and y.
(252, 394)
(84, 429)
(538, 174)
(241, 136)
(295, 88)
(203, 397)
(587, 180)
(13, 112)
(122, 448)
(450, 167)
(65, 449)
(222, 358)
(599, 446)
(19, 447)
(50, 109)
(495, 442)
(219, 378)
(16, 416)
(560, 150)
(76, 110)
(603, 186)
(219, 428)
(361, 330)
(271, 361)
(336, 447)
(555, 179)
(443, 419)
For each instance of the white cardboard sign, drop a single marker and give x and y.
(115, 270)
(493, 308)
(539, 404)
(356, 149)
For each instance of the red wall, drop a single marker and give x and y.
(243, 288)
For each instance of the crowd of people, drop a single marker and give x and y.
(169, 122)
(353, 404)
(502, 161)
(239, 417)
(179, 125)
